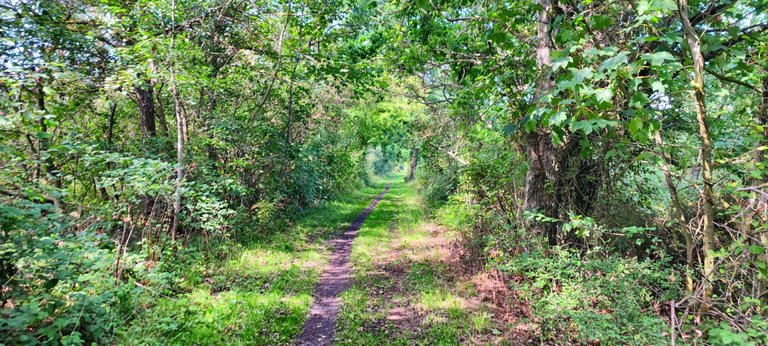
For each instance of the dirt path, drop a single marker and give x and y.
(319, 327)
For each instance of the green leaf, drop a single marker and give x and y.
(639, 100)
(603, 95)
(530, 125)
(561, 63)
(587, 126)
(582, 125)
(756, 250)
(607, 51)
(643, 6)
(612, 63)
(600, 22)
(658, 86)
(658, 58)
(43, 135)
(664, 5)
(579, 75)
(635, 125)
(557, 119)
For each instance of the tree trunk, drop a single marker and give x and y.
(414, 161)
(761, 201)
(161, 120)
(146, 103)
(539, 190)
(110, 134)
(160, 114)
(708, 214)
(290, 103)
(539, 150)
(181, 132)
(44, 143)
(111, 123)
(757, 208)
(279, 61)
(678, 212)
(179, 161)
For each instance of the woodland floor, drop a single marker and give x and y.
(404, 284)
(408, 286)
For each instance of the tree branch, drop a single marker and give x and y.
(732, 80)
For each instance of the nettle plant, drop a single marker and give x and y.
(59, 286)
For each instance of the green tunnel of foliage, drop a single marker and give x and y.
(247, 130)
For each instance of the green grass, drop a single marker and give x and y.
(258, 293)
(444, 312)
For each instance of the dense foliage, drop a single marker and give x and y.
(605, 157)
(643, 125)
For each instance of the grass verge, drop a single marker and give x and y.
(256, 293)
(407, 286)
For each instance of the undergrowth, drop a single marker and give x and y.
(571, 296)
(253, 291)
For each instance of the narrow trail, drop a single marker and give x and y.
(319, 327)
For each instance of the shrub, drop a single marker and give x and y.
(58, 287)
(586, 298)
(754, 334)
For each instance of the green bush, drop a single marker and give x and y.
(58, 287)
(754, 334)
(436, 184)
(585, 298)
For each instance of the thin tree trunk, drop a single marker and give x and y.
(757, 209)
(110, 134)
(290, 104)
(43, 144)
(211, 100)
(707, 222)
(414, 161)
(111, 123)
(184, 124)
(179, 162)
(279, 61)
(678, 212)
(147, 114)
(180, 135)
(160, 114)
(761, 202)
(161, 120)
